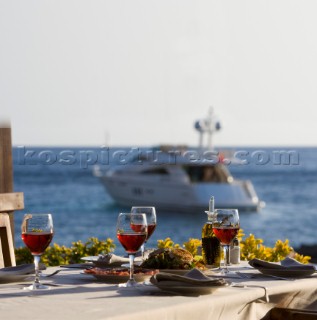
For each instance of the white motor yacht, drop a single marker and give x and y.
(178, 179)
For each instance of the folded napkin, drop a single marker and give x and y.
(286, 264)
(191, 278)
(290, 263)
(112, 260)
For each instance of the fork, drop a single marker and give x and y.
(50, 274)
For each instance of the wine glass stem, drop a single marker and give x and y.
(37, 259)
(142, 250)
(228, 256)
(131, 261)
(225, 257)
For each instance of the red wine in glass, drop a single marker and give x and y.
(150, 230)
(37, 234)
(37, 242)
(225, 226)
(131, 242)
(150, 213)
(131, 233)
(225, 234)
(138, 227)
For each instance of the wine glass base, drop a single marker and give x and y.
(224, 271)
(37, 286)
(220, 271)
(129, 284)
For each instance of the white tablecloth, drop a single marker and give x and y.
(74, 295)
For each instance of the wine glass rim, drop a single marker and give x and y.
(143, 207)
(37, 214)
(131, 213)
(151, 212)
(226, 209)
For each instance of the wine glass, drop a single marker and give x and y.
(150, 213)
(131, 232)
(37, 234)
(225, 227)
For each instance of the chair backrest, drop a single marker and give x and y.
(9, 202)
(291, 314)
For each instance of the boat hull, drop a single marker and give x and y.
(181, 197)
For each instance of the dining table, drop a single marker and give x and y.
(73, 294)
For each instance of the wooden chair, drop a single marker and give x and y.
(292, 314)
(9, 202)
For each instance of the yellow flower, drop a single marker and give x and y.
(192, 245)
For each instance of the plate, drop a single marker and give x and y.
(184, 288)
(17, 273)
(120, 261)
(127, 265)
(94, 260)
(291, 273)
(77, 265)
(90, 258)
(102, 275)
(194, 282)
(14, 278)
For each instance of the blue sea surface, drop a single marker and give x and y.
(61, 181)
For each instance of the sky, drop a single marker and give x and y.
(141, 72)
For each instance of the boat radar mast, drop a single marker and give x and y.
(208, 125)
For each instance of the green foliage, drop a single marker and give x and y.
(253, 248)
(23, 255)
(301, 258)
(192, 246)
(56, 255)
(250, 248)
(167, 243)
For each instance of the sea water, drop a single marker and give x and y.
(61, 181)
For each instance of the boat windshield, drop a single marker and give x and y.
(215, 174)
(159, 171)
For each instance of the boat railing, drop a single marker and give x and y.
(248, 187)
(97, 171)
